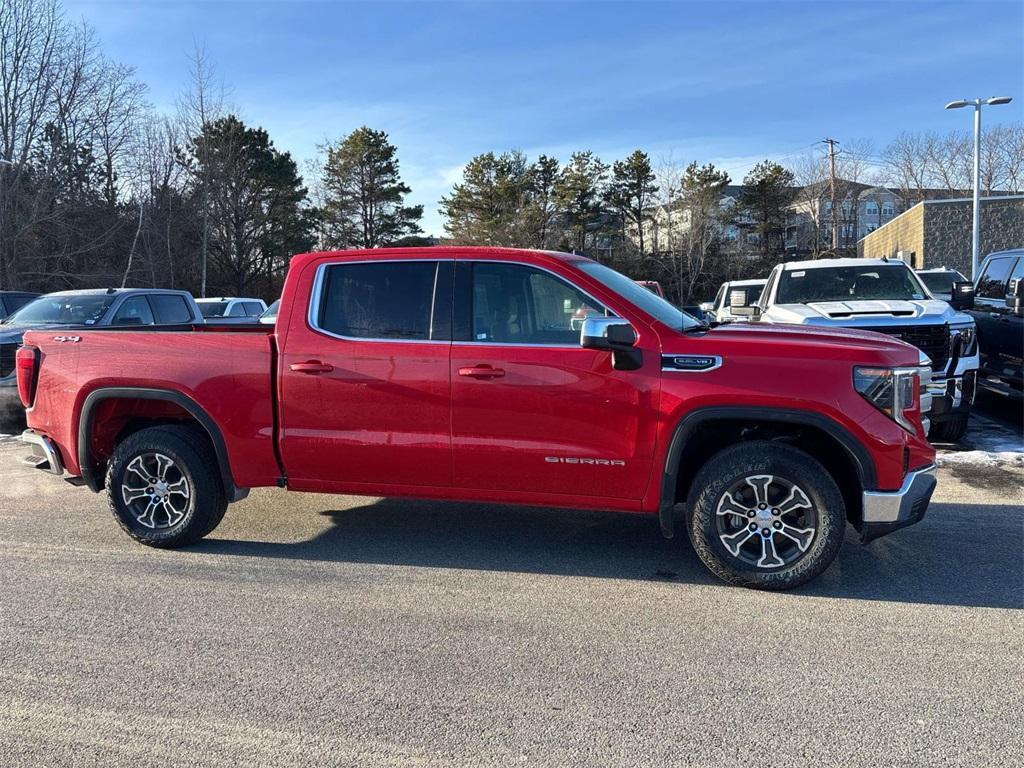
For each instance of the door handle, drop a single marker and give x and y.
(482, 372)
(312, 366)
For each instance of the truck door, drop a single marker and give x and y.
(994, 319)
(532, 411)
(363, 377)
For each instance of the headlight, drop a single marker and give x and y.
(893, 391)
(968, 338)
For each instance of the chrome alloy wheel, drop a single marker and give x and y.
(766, 521)
(156, 491)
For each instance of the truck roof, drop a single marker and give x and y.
(744, 283)
(440, 252)
(847, 262)
(112, 291)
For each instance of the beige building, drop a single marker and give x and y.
(937, 233)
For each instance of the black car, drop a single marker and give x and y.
(10, 301)
(999, 315)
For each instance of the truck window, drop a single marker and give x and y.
(992, 284)
(134, 311)
(237, 310)
(378, 300)
(515, 304)
(252, 309)
(170, 309)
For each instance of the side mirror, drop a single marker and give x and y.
(1015, 296)
(607, 333)
(753, 311)
(707, 306)
(616, 335)
(962, 295)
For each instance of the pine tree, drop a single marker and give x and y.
(768, 191)
(631, 190)
(579, 194)
(365, 196)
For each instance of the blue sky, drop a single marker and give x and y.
(726, 82)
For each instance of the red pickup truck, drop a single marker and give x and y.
(494, 375)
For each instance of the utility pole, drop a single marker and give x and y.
(832, 187)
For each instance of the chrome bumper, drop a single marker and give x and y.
(887, 511)
(44, 455)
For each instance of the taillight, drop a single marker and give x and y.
(27, 366)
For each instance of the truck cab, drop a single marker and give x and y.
(999, 312)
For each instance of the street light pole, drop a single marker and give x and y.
(976, 211)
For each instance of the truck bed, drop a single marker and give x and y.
(227, 370)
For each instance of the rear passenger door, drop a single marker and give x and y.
(134, 310)
(364, 400)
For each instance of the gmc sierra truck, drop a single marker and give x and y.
(465, 374)
(886, 296)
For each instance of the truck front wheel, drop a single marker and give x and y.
(765, 515)
(163, 487)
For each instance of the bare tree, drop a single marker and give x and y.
(198, 107)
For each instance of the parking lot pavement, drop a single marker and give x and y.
(326, 630)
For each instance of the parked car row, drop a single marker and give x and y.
(971, 334)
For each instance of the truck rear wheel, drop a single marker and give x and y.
(163, 486)
(766, 516)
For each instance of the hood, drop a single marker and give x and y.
(865, 313)
(802, 342)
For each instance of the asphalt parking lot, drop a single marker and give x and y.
(327, 630)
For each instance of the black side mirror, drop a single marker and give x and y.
(962, 295)
(1015, 296)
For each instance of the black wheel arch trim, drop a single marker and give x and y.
(855, 450)
(85, 424)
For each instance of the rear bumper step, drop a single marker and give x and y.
(44, 455)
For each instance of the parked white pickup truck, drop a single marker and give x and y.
(884, 296)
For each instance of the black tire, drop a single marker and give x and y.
(719, 485)
(948, 431)
(194, 510)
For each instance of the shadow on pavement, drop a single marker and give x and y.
(962, 554)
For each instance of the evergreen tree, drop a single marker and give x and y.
(256, 198)
(631, 190)
(365, 196)
(488, 206)
(579, 194)
(767, 194)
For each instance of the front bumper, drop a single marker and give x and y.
(952, 395)
(44, 454)
(888, 511)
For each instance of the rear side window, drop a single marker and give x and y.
(134, 311)
(237, 310)
(382, 300)
(252, 309)
(170, 309)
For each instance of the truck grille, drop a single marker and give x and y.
(7, 359)
(933, 340)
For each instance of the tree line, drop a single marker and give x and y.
(98, 188)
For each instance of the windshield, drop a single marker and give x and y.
(212, 308)
(640, 297)
(63, 310)
(872, 281)
(940, 282)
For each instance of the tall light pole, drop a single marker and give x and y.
(976, 215)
